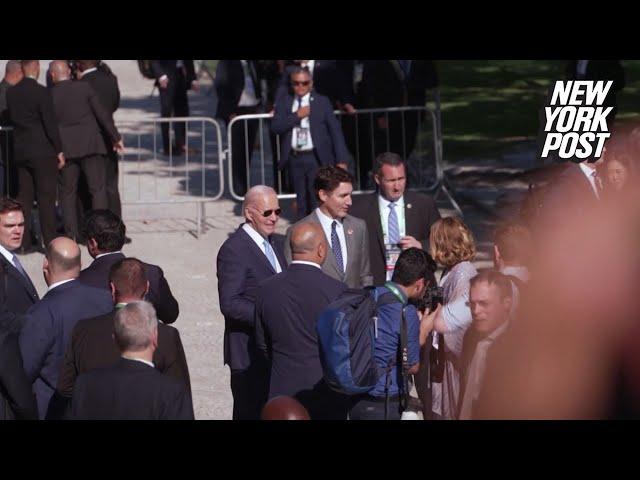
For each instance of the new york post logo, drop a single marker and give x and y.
(576, 121)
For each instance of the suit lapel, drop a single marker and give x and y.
(329, 264)
(25, 282)
(411, 219)
(350, 242)
(257, 251)
(399, 71)
(374, 219)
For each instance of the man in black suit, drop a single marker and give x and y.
(287, 308)
(406, 226)
(38, 150)
(48, 324)
(80, 116)
(16, 398)
(239, 91)
(13, 74)
(106, 87)
(174, 78)
(246, 258)
(310, 137)
(132, 389)
(105, 238)
(92, 344)
(16, 289)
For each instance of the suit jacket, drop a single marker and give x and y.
(229, 84)
(16, 399)
(130, 390)
(160, 296)
(47, 331)
(326, 133)
(385, 85)
(358, 271)
(601, 70)
(420, 212)
(168, 68)
(241, 266)
(80, 116)
(17, 294)
(106, 87)
(36, 136)
(287, 308)
(4, 113)
(92, 346)
(328, 80)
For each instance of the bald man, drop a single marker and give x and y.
(284, 408)
(13, 74)
(82, 119)
(246, 258)
(287, 308)
(49, 322)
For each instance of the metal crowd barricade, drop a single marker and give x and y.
(156, 171)
(363, 118)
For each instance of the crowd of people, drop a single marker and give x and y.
(474, 343)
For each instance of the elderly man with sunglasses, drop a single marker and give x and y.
(246, 258)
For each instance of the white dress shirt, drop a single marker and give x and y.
(326, 222)
(7, 254)
(57, 284)
(304, 123)
(259, 240)
(589, 172)
(248, 97)
(302, 262)
(140, 360)
(383, 205)
(108, 253)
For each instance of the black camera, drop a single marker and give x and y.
(433, 297)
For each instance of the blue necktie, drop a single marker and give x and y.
(270, 255)
(394, 227)
(335, 246)
(18, 266)
(405, 65)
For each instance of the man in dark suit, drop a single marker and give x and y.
(287, 308)
(246, 258)
(348, 261)
(38, 150)
(48, 324)
(16, 289)
(239, 91)
(132, 389)
(174, 78)
(16, 398)
(310, 137)
(80, 116)
(106, 87)
(406, 226)
(105, 238)
(13, 74)
(92, 344)
(604, 70)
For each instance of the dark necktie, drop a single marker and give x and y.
(19, 267)
(335, 246)
(405, 65)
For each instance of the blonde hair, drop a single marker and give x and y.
(451, 242)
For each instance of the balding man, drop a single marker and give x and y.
(38, 150)
(13, 74)
(287, 309)
(81, 117)
(48, 323)
(284, 408)
(246, 258)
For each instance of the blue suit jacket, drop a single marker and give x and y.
(241, 266)
(47, 330)
(326, 132)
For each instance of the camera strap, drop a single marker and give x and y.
(404, 347)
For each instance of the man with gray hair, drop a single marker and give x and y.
(132, 389)
(245, 259)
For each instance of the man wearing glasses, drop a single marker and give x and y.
(246, 258)
(310, 137)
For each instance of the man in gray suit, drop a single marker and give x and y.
(348, 257)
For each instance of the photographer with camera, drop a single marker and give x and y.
(396, 357)
(452, 245)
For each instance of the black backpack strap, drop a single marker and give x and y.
(404, 353)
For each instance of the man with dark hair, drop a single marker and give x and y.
(408, 283)
(13, 74)
(105, 234)
(348, 259)
(92, 345)
(490, 301)
(48, 324)
(308, 140)
(397, 219)
(16, 289)
(511, 250)
(287, 308)
(38, 150)
(132, 389)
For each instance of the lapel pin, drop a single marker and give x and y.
(408, 205)
(350, 232)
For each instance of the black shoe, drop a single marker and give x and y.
(127, 240)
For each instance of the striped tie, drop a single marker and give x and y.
(335, 246)
(394, 228)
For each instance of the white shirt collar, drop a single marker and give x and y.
(519, 272)
(326, 219)
(7, 254)
(589, 174)
(108, 253)
(255, 236)
(89, 70)
(140, 360)
(302, 262)
(384, 203)
(57, 284)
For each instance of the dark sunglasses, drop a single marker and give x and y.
(304, 84)
(267, 213)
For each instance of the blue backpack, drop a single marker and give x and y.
(347, 330)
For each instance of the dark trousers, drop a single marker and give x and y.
(113, 194)
(39, 177)
(243, 137)
(174, 103)
(249, 389)
(304, 166)
(373, 408)
(93, 168)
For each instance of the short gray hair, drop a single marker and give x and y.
(256, 192)
(134, 326)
